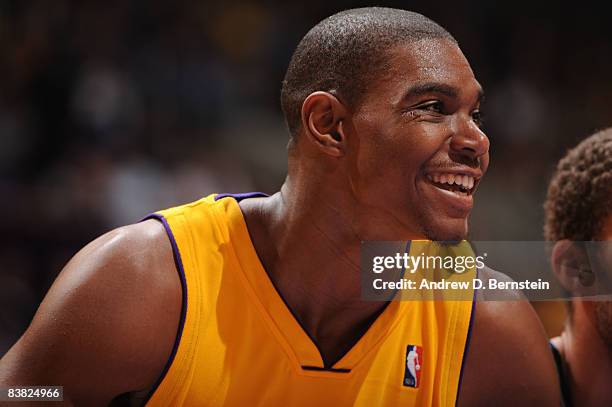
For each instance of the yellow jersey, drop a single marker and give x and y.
(240, 345)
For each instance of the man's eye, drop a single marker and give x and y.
(478, 118)
(433, 106)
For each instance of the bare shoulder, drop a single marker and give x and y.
(508, 360)
(108, 322)
(485, 275)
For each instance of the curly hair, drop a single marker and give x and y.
(346, 51)
(580, 193)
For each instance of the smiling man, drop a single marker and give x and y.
(255, 300)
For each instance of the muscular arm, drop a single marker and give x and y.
(508, 361)
(108, 324)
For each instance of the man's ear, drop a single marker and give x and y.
(571, 265)
(322, 116)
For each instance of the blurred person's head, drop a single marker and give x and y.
(383, 110)
(578, 209)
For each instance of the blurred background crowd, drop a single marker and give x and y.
(110, 110)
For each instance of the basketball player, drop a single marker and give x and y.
(253, 300)
(579, 208)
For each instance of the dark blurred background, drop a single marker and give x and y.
(111, 110)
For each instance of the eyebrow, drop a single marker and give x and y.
(436, 87)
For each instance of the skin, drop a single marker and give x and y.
(508, 361)
(99, 332)
(586, 353)
(421, 118)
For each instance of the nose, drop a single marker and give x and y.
(468, 139)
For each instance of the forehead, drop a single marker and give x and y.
(424, 62)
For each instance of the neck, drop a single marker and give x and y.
(309, 245)
(589, 359)
(313, 249)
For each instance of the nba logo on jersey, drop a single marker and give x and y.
(412, 368)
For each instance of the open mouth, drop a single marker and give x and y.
(460, 184)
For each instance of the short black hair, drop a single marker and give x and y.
(345, 51)
(580, 193)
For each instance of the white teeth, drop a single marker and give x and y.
(465, 181)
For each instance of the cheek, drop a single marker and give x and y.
(388, 170)
(389, 159)
(371, 169)
(381, 157)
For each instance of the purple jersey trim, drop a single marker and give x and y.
(467, 342)
(181, 271)
(241, 196)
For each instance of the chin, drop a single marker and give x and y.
(453, 230)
